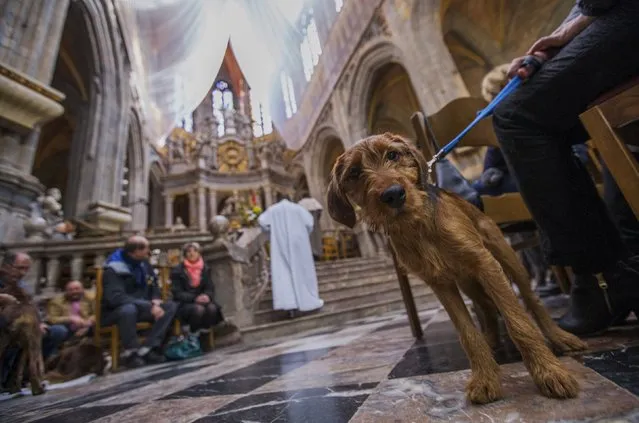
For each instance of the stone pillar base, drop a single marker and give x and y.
(107, 217)
(17, 192)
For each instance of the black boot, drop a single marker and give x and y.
(596, 302)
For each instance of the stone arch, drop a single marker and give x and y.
(391, 101)
(486, 33)
(374, 56)
(325, 148)
(92, 73)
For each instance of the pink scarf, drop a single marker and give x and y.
(194, 269)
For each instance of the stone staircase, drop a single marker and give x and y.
(351, 289)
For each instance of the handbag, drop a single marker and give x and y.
(183, 347)
(449, 178)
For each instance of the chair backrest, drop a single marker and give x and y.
(449, 121)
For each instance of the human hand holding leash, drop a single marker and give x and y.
(547, 47)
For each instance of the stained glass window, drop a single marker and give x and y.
(288, 92)
(187, 123)
(222, 98)
(262, 121)
(310, 48)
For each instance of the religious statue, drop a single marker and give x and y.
(178, 225)
(47, 218)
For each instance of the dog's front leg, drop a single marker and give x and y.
(484, 385)
(552, 379)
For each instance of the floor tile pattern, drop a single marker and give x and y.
(371, 370)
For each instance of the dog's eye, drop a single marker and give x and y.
(392, 155)
(354, 173)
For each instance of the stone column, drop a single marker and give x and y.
(201, 207)
(268, 195)
(53, 275)
(77, 267)
(213, 202)
(168, 210)
(193, 215)
(31, 38)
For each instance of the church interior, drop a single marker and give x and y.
(116, 122)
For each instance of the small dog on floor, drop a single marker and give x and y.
(76, 361)
(452, 246)
(22, 331)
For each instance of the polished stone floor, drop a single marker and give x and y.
(371, 370)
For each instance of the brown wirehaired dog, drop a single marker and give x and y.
(451, 245)
(76, 361)
(23, 331)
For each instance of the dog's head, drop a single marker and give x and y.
(384, 176)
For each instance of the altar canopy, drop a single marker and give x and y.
(177, 47)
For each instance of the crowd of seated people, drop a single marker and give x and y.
(131, 294)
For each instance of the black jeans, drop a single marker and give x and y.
(128, 315)
(537, 124)
(199, 316)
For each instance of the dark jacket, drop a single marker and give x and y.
(120, 286)
(181, 287)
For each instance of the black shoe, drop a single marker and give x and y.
(154, 357)
(133, 361)
(597, 303)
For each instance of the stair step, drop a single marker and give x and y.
(354, 266)
(345, 282)
(346, 288)
(272, 330)
(375, 295)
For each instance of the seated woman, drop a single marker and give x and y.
(193, 290)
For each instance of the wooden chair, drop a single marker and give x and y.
(110, 331)
(508, 210)
(607, 121)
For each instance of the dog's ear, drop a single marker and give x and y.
(417, 155)
(339, 208)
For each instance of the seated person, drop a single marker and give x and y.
(130, 295)
(193, 289)
(13, 269)
(590, 53)
(73, 309)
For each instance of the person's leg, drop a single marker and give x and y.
(536, 126)
(126, 318)
(161, 327)
(212, 315)
(192, 315)
(621, 212)
(53, 338)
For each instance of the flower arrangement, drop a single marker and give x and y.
(249, 216)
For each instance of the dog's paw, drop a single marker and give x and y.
(554, 381)
(38, 389)
(567, 342)
(482, 389)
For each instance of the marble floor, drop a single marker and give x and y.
(371, 370)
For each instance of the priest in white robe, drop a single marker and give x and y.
(293, 276)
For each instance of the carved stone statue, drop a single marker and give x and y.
(46, 218)
(178, 225)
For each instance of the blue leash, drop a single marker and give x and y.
(512, 85)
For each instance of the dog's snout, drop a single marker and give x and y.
(394, 196)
